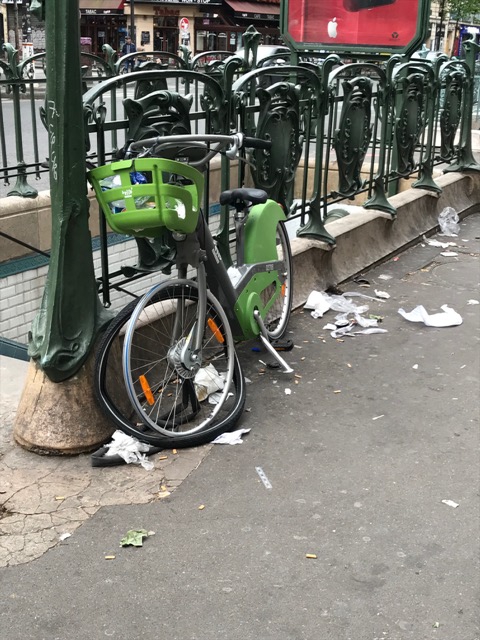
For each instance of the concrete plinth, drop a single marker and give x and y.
(60, 418)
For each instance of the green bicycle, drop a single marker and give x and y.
(176, 344)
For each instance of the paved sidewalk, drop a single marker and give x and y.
(377, 431)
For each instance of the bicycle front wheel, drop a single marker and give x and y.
(186, 401)
(278, 315)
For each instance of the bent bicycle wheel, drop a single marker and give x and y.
(150, 343)
(276, 320)
(185, 396)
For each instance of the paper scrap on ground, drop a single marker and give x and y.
(449, 254)
(449, 317)
(207, 381)
(473, 301)
(450, 503)
(382, 294)
(436, 243)
(349, 318)
(129, 449)
(231, 437)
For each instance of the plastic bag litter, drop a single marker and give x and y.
(207, 381)
(129, 449)
(448, 221)
(449, 317)
(320, 303)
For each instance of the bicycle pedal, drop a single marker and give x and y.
(273, 365)
(282, 345)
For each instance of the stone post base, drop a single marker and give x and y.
(60, 418)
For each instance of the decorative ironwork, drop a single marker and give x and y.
(352, 138)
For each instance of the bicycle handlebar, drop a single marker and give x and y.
(237, 141)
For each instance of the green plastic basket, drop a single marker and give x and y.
(145, 210)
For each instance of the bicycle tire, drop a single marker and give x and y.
(278, 316)
(110, 392)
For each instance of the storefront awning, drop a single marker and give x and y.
(99, 7)
(258, 10)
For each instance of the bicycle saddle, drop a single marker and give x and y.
(239, 198)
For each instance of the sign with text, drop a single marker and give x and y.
(364, 25)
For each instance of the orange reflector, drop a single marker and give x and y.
(215, 330)
(146, 390)
(284, 288)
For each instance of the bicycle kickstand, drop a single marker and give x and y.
(266, 343)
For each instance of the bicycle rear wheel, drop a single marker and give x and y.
(276, 320)
(110, 386)
(183, 399)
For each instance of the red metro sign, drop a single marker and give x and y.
(363, 25)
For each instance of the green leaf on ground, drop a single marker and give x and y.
(134, 538)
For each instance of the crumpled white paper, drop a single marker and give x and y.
(129, 449)
(207, 381)
(231, 437)
(449, 317)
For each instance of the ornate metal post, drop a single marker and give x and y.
(67, 321)
(466, 160)
(62, 418)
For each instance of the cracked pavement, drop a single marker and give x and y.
(42, 498)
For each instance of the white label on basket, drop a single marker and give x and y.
(127, 193)
(181, 211)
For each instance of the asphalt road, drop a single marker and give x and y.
(379, 430)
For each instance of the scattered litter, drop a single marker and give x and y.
(59, 497)
(263, 477)
(450, 503)
(162, 457)
(311, 556)
(384, 276)
(174, 451)
(129, 449)
(64, 536)
(378, 417)
(248, 381)
(319, 302)
(436, 243)
(345, 324)
(134, 537)
(382, 294)
(288, 392)
(473, 302)
(448, 222)
(337, 391)
(231, 437)
(112, 557)
(396, 258)
(436, 625)
(201, 507)
(415, 366)
(207, 380)
(448, 318)
(448, 254)
(262, 362)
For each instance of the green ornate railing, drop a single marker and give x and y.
(341, 131)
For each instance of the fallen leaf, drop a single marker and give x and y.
(134, 538)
